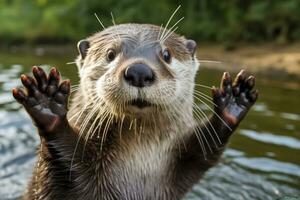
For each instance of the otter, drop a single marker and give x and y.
(130, 131)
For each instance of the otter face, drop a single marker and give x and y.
(137, 68)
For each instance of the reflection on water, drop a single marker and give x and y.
(262, 161)
(272, 138)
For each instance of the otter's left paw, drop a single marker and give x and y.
(233, 100)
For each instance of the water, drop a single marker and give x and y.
(261, 162)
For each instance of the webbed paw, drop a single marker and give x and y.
(233, 100)
(45, 98)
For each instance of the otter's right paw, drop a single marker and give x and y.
(45, 98)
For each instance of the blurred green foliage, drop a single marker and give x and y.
(228, 21)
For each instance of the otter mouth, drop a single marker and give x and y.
(140, 103)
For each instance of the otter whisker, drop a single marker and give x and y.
(167, 36)
(85, 107)
(203, 94)
(170, 116)
(198, 96)
(200, 140)
(134, 127)
(77, 143)
(105, 114)
(204, 86)
(85, 122)
(87, 119)
(71, 63)
(210, 61)
(121, 126)
(199, 135)
(171, 30)
(130, 125)
(99, 118)
(197, 109)
(94, 126)
(159, 32)
(114, 23)
(162, 35)
(106, 127)
(180, 139)
(100, 22)
(75, 86)
(219, 117)
(79, 113)
(74, 90)
(112, 19)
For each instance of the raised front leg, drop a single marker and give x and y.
(202, 149)
(60, 159)
(46, 101)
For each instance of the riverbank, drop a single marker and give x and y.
(269, 59)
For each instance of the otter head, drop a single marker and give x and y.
(136, 69)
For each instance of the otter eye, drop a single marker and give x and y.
(166, 56)
(111, 55)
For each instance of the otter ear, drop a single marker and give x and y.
(83, 46)
(191, 45)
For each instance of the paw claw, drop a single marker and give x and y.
(226, 84)
(40, 77)
(19, 95)
(25, 80)
(30, 84)
(65, 87)
(216, 92)
(250, 82)
(54, 77)
(253, 96)
(240, 78)
(54, 73)
(226, 76)
(53, 82)
(242, 73)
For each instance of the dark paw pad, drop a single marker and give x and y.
(233, 100)
(44, 98)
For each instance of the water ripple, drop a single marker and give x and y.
(272, 138)
(269, 165)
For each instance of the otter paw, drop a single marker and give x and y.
(45, 98)
(233, 100)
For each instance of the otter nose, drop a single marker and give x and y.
(139, 75)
